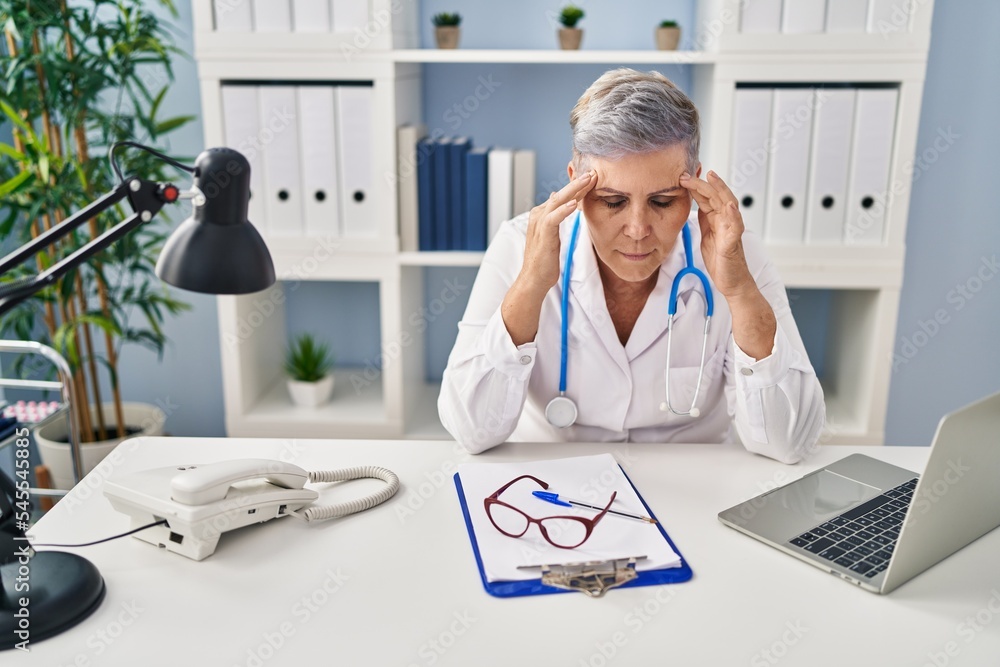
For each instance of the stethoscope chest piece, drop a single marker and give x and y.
(561, 411)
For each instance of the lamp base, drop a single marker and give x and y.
(64, 590)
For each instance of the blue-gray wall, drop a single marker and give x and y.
(952, 228)
(949, 314)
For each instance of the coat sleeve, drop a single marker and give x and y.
(485, 383)
(776, 402)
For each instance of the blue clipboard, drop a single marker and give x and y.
(510, 589)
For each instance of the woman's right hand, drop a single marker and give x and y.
(540, 271)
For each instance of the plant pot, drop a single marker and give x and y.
(667, 39)
(51, 438)
(311, 394)
(447, 36)
(570, 38)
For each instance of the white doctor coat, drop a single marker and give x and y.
(494, 391)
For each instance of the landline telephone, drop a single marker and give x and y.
(200, 502)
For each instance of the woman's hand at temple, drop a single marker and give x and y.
(754, 323)
(540, 271)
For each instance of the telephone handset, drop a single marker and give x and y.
(205, 484)
(200, 502)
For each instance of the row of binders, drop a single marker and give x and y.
(290, 15)
(811, 165)
(453, 196)
(819, 16)
(310, 149)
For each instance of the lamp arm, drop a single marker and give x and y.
(146, 197)
(53, 234)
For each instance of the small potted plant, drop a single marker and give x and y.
(569, 35)
(668, 35)
(446, 29)
(308, 365)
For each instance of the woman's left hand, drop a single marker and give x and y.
(721, 234)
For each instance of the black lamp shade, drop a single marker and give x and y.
(217, 250)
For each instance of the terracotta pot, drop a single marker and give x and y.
(447, 36)
(570, 38)
(311, 394)
(667, 39)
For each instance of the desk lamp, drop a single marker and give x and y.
(215, 251)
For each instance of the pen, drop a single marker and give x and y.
(556, 499)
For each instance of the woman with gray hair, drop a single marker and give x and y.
(567, 333)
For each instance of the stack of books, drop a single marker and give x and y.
(453, 195)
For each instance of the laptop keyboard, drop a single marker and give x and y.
(864, 538)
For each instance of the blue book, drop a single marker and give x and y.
(425, 193)
(456, 227)
(476, 180)
(441, 177)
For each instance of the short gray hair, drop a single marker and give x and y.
(627, 112)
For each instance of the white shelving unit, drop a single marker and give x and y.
(398, 402)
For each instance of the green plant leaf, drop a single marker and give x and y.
(15, 118)
(11, 152)
(10, 186)
(173, 123)
(43, 167)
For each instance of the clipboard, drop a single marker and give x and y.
(508, 589)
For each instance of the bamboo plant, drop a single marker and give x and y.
(77, 79)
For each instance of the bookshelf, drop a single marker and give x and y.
(396, 399)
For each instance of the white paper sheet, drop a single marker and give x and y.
(589, 479)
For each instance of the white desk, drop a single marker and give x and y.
(391, 588)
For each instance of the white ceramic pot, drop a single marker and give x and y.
(311, 394)
(55, 452)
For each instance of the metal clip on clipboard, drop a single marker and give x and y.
(592, 578)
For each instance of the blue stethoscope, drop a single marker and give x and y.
(561, 411)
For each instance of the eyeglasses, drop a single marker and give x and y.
(565, 532)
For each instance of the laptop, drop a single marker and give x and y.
(878, 525)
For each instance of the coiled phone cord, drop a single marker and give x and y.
(322, 513)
